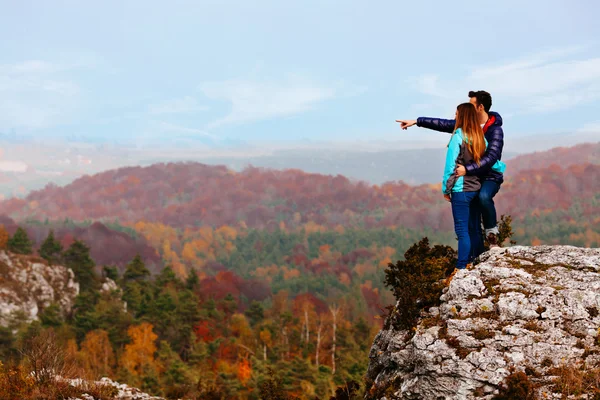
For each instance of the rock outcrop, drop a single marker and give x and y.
(28, 285)
(122, 391)
(530, 309)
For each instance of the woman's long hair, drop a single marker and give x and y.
(467, 121)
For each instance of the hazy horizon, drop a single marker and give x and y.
(88, 87)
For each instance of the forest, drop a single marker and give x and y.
(222, 276)
(212, 335)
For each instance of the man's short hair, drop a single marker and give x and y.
(483, 98)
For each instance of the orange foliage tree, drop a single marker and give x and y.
(98, 353)
(139, 354)
(4, 236)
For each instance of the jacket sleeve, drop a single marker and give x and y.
(493, 153)
(437, 124)
(452, 154)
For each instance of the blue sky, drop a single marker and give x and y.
(290, 71)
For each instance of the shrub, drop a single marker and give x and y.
(346, 392)
(573, 381)
(44, 357)
(517, 386)
(417, 281)
(505, 231)
(15, 382)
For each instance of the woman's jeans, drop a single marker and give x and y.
(466, 211)
(488, 209)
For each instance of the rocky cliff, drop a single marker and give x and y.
(28, 285)
(529, 309)
(120, 391)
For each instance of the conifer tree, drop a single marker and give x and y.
(136, 270)
(19, 243)
(51, 249)
(111, 272)
(77, 257)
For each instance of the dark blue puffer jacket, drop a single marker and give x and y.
(493, 134)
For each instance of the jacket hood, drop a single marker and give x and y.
(498, 121)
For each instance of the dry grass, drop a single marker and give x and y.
(547, 362)
(572, 381)
(16, 383)
(36, 378)
(482, 334)
(490, 285)
(517, 386)
(461, 352)
(429, 322)
(533, 326)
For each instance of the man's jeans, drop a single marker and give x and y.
(467, 225)
(488, 209)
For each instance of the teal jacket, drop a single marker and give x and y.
(458, 154)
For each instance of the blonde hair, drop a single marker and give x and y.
(467, 121)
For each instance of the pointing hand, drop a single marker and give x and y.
(406, 123)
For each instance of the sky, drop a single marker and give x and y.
(214, 73)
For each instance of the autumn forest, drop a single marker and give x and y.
(226, 280)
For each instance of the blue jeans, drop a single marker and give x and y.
(467, 216)
(488, 209)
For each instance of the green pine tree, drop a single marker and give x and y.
(255, 312)
(77, 257)
(136, 270)
(166, 277)
(19, 242)
(192, 280)
(51, 249)
(51, 315)
(111, 272)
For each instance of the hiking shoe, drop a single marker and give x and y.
(449, 279)
(469, 266)
(492, 240)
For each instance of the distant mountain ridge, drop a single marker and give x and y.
(99, 237)
(562, 156)
(193, 194)
(31, 166)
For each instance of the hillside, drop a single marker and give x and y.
(124, 244)
(192, 194)
(562, 156)
(257, 268)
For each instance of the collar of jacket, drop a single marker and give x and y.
(489, 123)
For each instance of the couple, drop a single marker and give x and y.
(473, 172)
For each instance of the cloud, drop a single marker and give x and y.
(543, 82)
(592, 127)
(183, 105)
(30, 67)
(34, 94)
(169, 127)
(49, 173)
(13, 166)
(253, 101)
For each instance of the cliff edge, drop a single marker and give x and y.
(28, 285)
(534, 310)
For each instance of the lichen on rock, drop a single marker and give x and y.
(28, 285)
(520, 309)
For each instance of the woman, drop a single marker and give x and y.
(467, 144)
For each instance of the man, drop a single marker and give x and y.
(492, 128)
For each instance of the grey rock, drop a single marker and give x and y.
(28, 285)
(519, 307)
